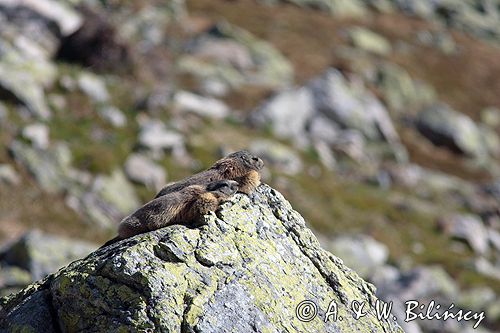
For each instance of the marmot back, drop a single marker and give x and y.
(185, 206)
(240, 166)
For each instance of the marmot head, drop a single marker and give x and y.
(238, 164)
(223, 188)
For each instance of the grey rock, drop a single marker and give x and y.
(338, 8)
(440, 40)
(280, 156)
(403, 93)
(349, 103)
(246, 270)
(288, 113)
(42, 254)
(369, 41)
(466, 227)
(50, 167)
(142, 170)
(67, 19)
(486, 268)
(13, 278)
(446, 127)
(250, 60)
(8, 175)
(38, 134)
(156, 137)
(491, 116)
(494, 238)
(3, 113)
(114, 116)
(359, 252)
(93, 86)
(115, 190)
(324, 130)
(22, 80)
(203, 106)
(476, 298)
(423, 284)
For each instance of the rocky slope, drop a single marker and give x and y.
(378, 119)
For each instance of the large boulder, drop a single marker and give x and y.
(246, 269)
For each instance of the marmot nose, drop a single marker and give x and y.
(258, 162)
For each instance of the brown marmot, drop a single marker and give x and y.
(240, 166)
(187, 205)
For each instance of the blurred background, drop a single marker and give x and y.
(378, 119)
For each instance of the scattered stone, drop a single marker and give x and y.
(338, 8)
(350, 104)
(22, 80)
(476, 298)
(203, 106)
(466, 227)
(8, 175)
(278, 155)
(251, 60)
(50, 167)
(38, 134)
(93, 86)
(13, 277)
(66, 18)
(369, 41)
(440, 40)
(359, 252)
(41, 254)
(444, 126)
(491, 116)
(114, 116)
(142, 170)
(156, 137)
(401, 92)
(3, 113)
(484, 267)
(116, 191)
(288, 113)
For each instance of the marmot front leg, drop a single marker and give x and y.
(249, 182)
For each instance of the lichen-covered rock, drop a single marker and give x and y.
(245, 270)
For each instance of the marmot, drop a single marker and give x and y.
(240, 166)
(187, 205)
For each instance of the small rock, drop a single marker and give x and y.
(287, 112)
(38, 134)
(214, 87)
(491, 116)
(50, 167)
(280, 156)
(466, 227)
(8, 175)
(484, 267)
(3, 113)
(203, 106)
(12, 276)
(42, 254)
(361, 253)
(225, 51)
(370, 41)
(156, 137)
(142, 170)
(494, 238)
(444, 126)
(94, 87)
(476, 298)
(114, 116)
(117, 191)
